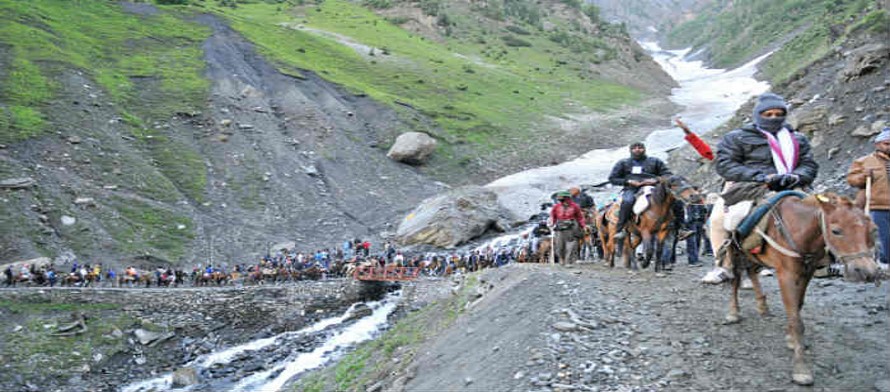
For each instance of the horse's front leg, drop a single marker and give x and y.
(792, 297)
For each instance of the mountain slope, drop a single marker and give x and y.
(800, 31)
(208, 130)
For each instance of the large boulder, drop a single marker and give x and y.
(412, 148)
(453, 218)
(185, 377)
(864, 60)
(809, 120)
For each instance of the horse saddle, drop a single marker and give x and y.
(642, 202)
(748, 223)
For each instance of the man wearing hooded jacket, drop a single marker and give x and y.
(766, 152)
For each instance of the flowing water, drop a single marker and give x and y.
(709, 98)
(290, 353)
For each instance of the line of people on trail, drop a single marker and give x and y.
(756, 161)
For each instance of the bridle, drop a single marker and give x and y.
(678, 192)
(843, 258)
(793, 252)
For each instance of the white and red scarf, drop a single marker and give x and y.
(785, 149)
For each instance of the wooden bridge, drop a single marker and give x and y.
(388, 273)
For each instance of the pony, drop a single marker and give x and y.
(606, 227)
(652, 226)
(218, 277)
(587, 245)
(143, 277)
(799, 236)
(542, 254)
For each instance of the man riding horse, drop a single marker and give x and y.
(766, 152)
(633, 173)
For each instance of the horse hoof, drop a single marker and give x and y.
(731, 319)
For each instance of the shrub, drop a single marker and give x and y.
(514, 41)
(592, 12)
(576, 4)
(378, 4)
(876, 22)
(517, 30)
(431, 7)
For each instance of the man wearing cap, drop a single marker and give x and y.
(874, 170)
(567, 221)
(766, 152)
(632, 173)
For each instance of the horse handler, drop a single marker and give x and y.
(871, 174)
(568, 223)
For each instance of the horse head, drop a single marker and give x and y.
(682, 189)
(849, 235)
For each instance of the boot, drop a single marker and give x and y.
(620, 233)
(623, 217)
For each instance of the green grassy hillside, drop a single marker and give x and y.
(487, 81)
(475, 91)
(110, 101)
(737, 31)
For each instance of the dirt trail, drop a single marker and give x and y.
(647, 331)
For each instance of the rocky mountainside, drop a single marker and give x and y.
(840, 102)
(650, 19)
(133, 133)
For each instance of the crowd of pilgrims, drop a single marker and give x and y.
(283, 265)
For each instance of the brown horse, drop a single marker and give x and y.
(545, 247)
(143, 277)
(587, 244)
(808, 229)
(606, 225)
(652, 227)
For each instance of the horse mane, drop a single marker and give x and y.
(662, 190)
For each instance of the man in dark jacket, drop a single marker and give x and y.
(582, 199)
(766, 152)
(696, 214)
(632, 173)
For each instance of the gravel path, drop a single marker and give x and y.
(587, 327)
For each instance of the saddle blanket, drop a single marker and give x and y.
(642, 202)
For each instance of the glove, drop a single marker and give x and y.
(789, 181)
(775, 183)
